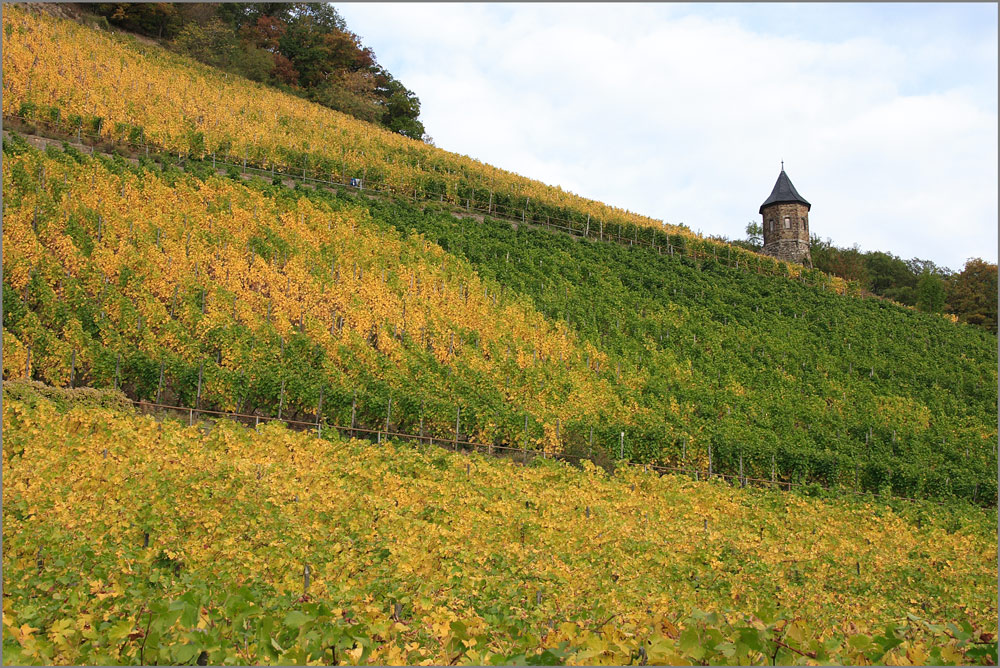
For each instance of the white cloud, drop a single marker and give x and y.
(892, 135)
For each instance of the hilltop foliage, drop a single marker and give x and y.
(128, 540)
(970, 294)
(303, 48)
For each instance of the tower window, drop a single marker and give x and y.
(788, 222)
(771, 222)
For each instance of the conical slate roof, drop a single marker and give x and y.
(784, 193)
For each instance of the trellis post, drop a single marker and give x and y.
(354, 411)
(525, 438)
(159, 383)
(281, 399)
(319, 414)
(388, 414)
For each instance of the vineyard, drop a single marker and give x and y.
(211, 318)
(193, 289)
(104, 87)
(857, 392)
(132, 540)
(303, 306)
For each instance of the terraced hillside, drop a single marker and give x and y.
(109, 88)
(779, 374)
(132, 540)
(194, 289)
(154, 277)
(214, 293)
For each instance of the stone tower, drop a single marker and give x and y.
(786, 222)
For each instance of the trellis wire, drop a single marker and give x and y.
(451, 443)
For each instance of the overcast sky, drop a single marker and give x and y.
(885, 115)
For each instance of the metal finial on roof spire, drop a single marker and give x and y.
(784, 192)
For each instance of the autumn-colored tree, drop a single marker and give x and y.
(284, 71)
(972, 295)
(265, 33)
(318, 54)
(345, 51)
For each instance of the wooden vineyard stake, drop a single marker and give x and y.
(201, 370)
(354, 411)
(319, 414)
(525, 438)
(281, 399)
(159, 383)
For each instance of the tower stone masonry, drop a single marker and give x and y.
(786, 223)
